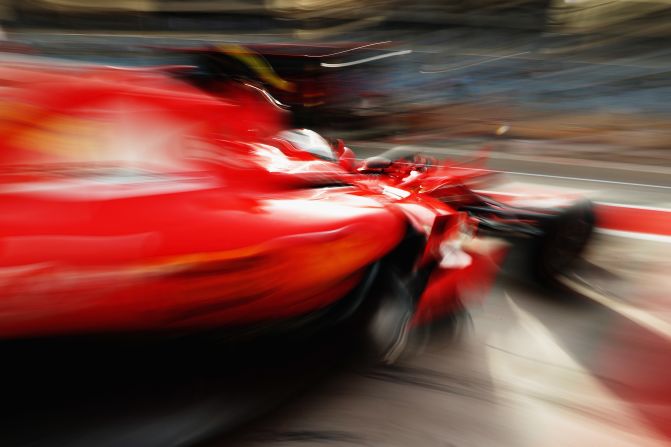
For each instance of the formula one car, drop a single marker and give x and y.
(135, 203)
(548, 231)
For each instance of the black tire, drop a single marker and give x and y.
(384, 323)
(563, 241)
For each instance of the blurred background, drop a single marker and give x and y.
(575, 71)
(584, 89)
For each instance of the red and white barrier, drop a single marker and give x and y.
(633, 219)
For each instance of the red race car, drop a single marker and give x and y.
(548, 232)
(134, 203)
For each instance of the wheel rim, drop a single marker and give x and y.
(389, 329)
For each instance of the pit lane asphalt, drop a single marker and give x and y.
(529, 367)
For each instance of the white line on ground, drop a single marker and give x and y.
(549, 351)
(638, 316)
(531, 195)
(562, 177)
(540, 159)
(640, 207)
(611, 182)
(635, 235)
(618, 205)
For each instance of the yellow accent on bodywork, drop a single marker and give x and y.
(258, 64)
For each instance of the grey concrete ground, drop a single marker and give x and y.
(531, 369)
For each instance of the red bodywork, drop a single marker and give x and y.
(134, 202)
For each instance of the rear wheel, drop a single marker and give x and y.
(563, 241)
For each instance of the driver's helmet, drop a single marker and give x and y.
(308, 141)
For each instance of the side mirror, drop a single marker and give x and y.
(339, 147)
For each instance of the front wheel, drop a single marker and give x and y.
(386, 320)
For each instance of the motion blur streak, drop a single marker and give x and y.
(381, 223)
